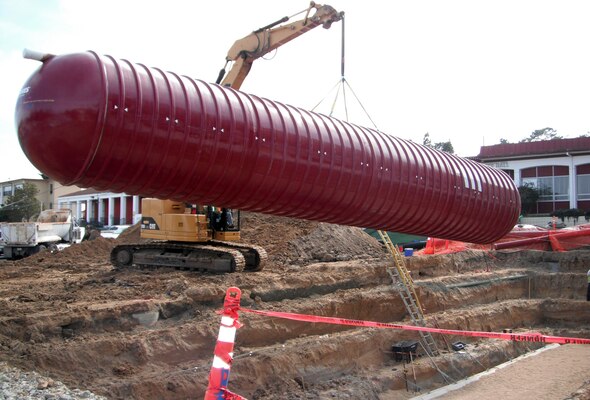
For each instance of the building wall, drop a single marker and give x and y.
(7, 188)
(557, 171)
(48, 194)
(57, 190)
(103, 208)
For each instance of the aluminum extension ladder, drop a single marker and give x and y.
(403, 281)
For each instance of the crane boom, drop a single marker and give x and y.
(268, 38)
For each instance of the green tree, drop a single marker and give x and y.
(559, 214)
(529, 195)
(504, 141)
(22, 205)
(574, 213)
(542, 134)
(445, 146)
(442, 146)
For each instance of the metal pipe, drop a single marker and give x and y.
(37, 55)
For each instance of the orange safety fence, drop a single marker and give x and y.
(530, 238)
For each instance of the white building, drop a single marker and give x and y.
(103, 208)
(560, 167)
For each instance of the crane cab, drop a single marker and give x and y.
(181, 222)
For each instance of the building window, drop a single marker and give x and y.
(510, 173)
(18, 186)
(51, 188)
(551, 181)
(553, 188)
(583, 183)
(7, 190)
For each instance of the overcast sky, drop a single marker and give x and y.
(471, 72)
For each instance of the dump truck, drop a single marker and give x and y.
(52, 229)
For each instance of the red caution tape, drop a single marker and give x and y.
(227, 395)
(223, 350)
(517, 337)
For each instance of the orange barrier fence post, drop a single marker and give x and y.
(554, 241)
(429, 249)
(219, 375)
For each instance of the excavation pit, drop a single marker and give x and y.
(151, 334)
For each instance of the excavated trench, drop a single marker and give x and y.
(146, 346)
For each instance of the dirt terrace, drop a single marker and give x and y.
(150, 334)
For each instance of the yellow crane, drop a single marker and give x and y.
(245, 51)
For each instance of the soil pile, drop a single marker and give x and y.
(89, 251)
(290, 241)
(131, 235)
(92, 250)
(328, 243)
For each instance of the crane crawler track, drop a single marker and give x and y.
(194, 257)
(255, 255)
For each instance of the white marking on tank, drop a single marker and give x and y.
(39, 101)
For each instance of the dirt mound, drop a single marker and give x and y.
(90, 251)
(291, 241)
(131, 235)
(273, 233)
(329, 242)
(93, 250)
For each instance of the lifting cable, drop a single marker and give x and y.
(342, 84)
(342, 76)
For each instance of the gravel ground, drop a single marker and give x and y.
(19, 385)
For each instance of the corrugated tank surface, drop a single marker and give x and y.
(93, 121)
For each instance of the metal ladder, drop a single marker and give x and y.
(403, 281)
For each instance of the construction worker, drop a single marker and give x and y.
(588, 291)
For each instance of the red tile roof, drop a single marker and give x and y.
(82, 192)
(544, 147)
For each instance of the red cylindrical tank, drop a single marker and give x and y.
(93, 121)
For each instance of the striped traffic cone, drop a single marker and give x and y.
(219, 374)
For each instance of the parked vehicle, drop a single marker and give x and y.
(53, 228)
(114, 231)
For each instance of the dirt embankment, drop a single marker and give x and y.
(150, 334)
